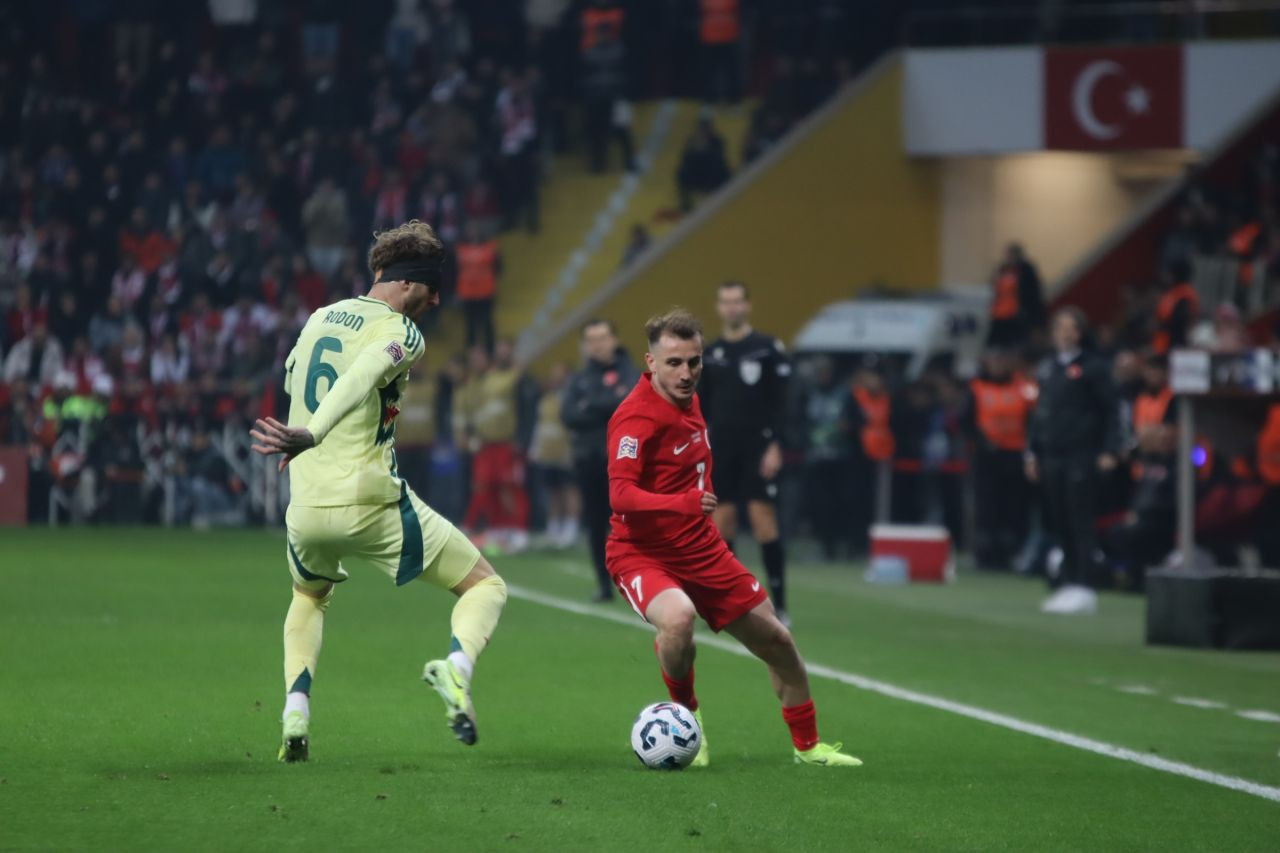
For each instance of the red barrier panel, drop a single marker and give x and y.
(13, 485)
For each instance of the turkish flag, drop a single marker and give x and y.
(1112, 99)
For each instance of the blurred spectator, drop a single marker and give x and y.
(308, 283)
(828, 448)
(169, 366)
(703, 167)
(590, 398)
(719, 31)
(66, 319)
(25, 314)
(549, 455)
(602, 60)
(1225, 334)
(1268, 464)
(637, 243)
(36, 359)
(324, 216)
(406, 31)
(120, 459)
(517, 120)
(487, 420)
(1177, 310)
(912, 423)
(868, 411)
(1146, 532)
(479, 266)
(129, 282)
(1017, 301)
(999, 408)
(210, 484)
(1074, 435)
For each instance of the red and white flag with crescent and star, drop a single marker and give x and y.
(1101, 99)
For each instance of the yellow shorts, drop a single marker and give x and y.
(408, 540)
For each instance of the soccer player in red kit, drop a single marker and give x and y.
(665, 554)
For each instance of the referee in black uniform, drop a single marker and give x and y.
(744, 399)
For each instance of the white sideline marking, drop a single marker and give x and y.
(1152, 762)
(1137, 689)
(1260, 716)
(1197, 702)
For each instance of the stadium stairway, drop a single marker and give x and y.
(586, 222)
(836, 206)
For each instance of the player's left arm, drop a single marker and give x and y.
(391, 353)
(778, 385)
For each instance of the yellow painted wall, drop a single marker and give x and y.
(842, 209)
(1059, 204)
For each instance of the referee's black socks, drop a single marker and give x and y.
(775, 565)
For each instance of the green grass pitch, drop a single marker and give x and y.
(140, 694)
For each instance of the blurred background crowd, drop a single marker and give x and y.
(179, 191)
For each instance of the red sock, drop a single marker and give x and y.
(679, 689)
(803, 722)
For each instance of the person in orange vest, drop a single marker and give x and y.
(1144, 535)
(1151, 407)
(999, 408)
(1177, 309)
(1017, 301)
(479, 266)
(1267, 463)
(866, 417)
(720, 32)
(602, 62)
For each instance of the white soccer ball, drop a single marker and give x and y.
(665, 736)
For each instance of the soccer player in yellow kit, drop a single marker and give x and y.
(348, 505)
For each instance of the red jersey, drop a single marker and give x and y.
(659, 466)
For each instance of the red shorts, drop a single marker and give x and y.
(721, 592)
(497, 464)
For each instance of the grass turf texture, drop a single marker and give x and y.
(141, 696)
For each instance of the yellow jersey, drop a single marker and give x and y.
(487, 405)
(345, 376)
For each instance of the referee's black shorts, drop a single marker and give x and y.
(735, 468)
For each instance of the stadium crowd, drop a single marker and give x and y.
(178, 191)
(177, 194)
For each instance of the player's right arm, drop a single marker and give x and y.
(630, 437)
(391, 351)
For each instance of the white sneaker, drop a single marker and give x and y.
(1053, 604)
(1071, 599)
(517, 541)
(569, 533)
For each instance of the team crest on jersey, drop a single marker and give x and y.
(396, 352)
(750, 371)
(628, 448)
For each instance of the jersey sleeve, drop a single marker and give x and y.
(630, 437)
(390, 349)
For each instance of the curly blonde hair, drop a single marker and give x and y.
(412, 240)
